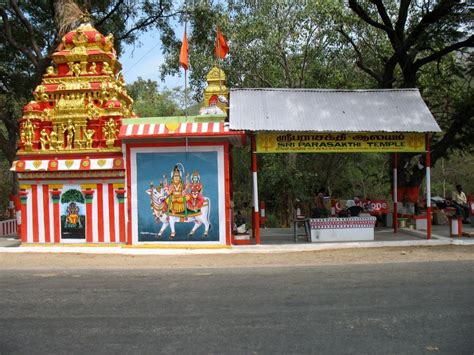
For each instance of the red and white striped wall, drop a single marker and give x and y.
(105, 212)
(8, 227)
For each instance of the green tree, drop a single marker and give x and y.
(150, 102)
(31, 31)
(419, 44)
(72, 196)
(274, 44)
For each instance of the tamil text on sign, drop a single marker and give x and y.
(295, 142)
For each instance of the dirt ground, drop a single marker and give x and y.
(305, 258)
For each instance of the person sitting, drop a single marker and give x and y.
(355, 211)
(460, 203)
(240, 226)
(320, 210)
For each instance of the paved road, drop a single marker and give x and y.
(358, 309)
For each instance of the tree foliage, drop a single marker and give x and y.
(31, 31)
(421, 44)
(297, 44)
(369, 44)
(72, 196)
(150, 102)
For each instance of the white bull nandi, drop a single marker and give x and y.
(159, 206)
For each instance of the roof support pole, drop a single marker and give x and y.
(395, 193)
(256, 219)
(428, 186)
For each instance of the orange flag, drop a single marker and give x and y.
(221, 45)
(183, 54)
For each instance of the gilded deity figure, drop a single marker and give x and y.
(53, 140)
(29, 133)
(106, 69)
(44, 139)
(74, 68)
(110, 132)
(89, 137)
(93, 68)
(70, 131)
(50, 71)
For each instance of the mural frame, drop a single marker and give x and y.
(223, 188)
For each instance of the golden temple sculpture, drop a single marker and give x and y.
(80, 89)
(110, 132)
(216, 95)
(70, 130)
(89, 138)
(44, 139)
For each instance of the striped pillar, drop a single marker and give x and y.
(100, 212)
(88, 194)
(24, 216)
(428, 186)
(112, 217)
(56, 197)
(228, 214)
(120, 193)
(34, 214)
(256, 219)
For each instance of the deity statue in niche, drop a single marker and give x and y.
(89, 137)
(29, 133)
(74, 68)
(93, 68)
(110, 132)
(106, 69)
(44, 139)
(69, 130)
(53, 140)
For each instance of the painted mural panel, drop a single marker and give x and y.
(73, 214)
(177, 196)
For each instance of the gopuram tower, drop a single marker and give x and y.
(70, 164)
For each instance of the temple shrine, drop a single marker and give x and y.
(91, 171)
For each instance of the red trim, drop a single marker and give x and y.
(73, 178)
(180, 135)
(24, 219)
(89, 222)
(122, 222)
(129, 199)
(100, 212)
(57, 222)
(228, 229)
(111, 212)
(69, 156)
(47, 232)
(34, 202)
(173, 144)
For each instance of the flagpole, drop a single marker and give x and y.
(185, 70)
(218, 55)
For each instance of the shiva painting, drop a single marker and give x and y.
(73, 219)
(179, 195)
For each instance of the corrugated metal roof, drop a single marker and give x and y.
(320, 110)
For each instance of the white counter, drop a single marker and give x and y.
(342, 229)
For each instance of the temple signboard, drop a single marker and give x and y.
(303, 142)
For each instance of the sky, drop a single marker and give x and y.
(145, 60)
